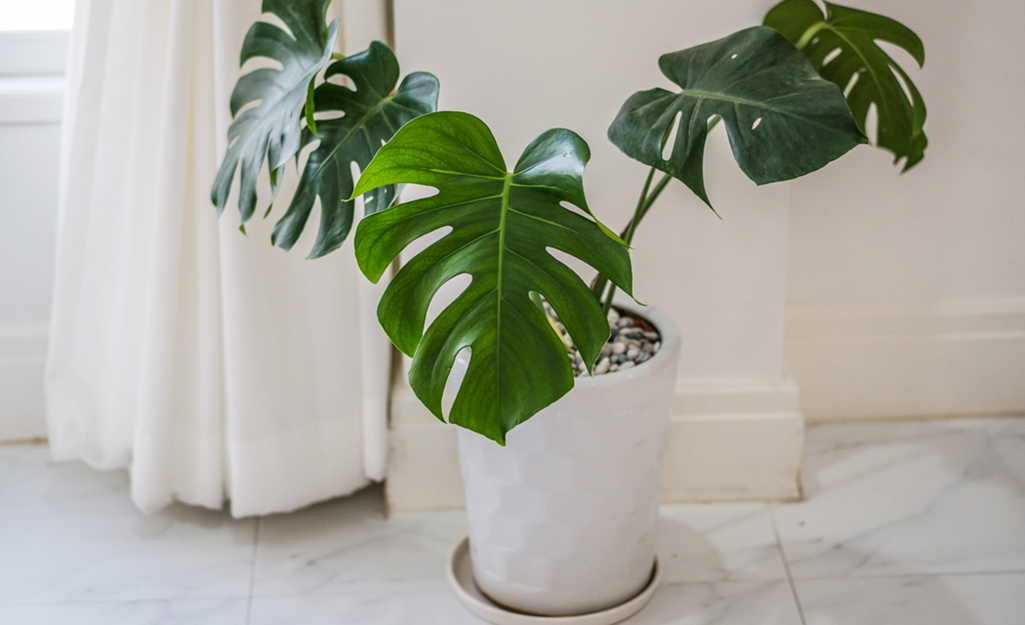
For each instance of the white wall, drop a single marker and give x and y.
(31, 92)
(907, 293)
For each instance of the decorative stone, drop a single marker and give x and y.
(628, 345)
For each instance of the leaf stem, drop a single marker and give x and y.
(808, 34)
(644, 203)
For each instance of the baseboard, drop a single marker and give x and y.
(31, 100)
(730, 440)
(22, 365)
(908, 360)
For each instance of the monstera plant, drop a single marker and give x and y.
(778, 89)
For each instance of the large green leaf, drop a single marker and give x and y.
(271, 127)
(782, 119)
(841, 45)
(371, 116)
(502, 224)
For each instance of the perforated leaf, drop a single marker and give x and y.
(782, 119)
(502, 224)
(271, 128)
(841, 45)
(371, 114)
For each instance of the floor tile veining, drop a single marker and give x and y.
(905, 523)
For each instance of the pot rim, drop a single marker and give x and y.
(666, 354)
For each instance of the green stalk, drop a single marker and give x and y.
(809, 34)
(600, 281)
(644, 204)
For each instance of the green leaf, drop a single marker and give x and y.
(502, 224)
(371, 116)
(782, 119)
(853, 34)
(272, 128)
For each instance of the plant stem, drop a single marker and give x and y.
(809, 34)
(644, 203)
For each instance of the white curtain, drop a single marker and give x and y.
(211, 364)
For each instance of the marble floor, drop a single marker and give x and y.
(905, 523)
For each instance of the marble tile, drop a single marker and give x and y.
(178, 612)
(417, 607)
(726, 603)
(716, 542)
(71, 534)
(910, 497)
(751, 603)
(915, 600)
(348, 545)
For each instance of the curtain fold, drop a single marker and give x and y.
(209, 363)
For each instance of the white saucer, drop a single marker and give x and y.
(460, 576)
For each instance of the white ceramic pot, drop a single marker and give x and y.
(562, 519)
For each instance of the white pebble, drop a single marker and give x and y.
(613, 317)
(602, 366)
(618, 348)
(613, 368)
(625, 322)
(632, 353)
(626, 365)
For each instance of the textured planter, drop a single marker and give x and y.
(562, 519)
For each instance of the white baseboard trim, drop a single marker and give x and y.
(31, 100)
(730, 440)
(908, 360)
(22, 365)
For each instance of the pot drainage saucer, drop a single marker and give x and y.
(460, 576)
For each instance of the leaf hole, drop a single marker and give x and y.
(670, 140)
(573, 208)
(260, 62)
(341, 80)
(903, 85)
(328, 115)
(832, 55)
(734, 56)
(274, 20)
(850, 84)
(454, 382)
(578, 266)
(872, 123)
(755, 125)
(248, 105)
